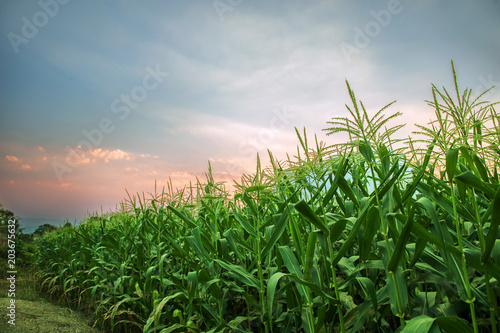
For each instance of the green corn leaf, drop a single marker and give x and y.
(421, 171)
(371, 227)
(353, 233)
(492, 235)
(303, 208)
(249, 201)
(342, 182)
(197, 247)
(366, 150)
(307, 320)
(171, 328)
(293, 267)
(240, 273)
(255, 188)
(290, 260)
(472, 257)
(192, 283)
(156, 313)
(210, 313)
(338, 227)
(244, 223)
(280, 226)
(481, 167)
(396, 199)
(309, 259)
(453, 263)
(445, 202)
(368, 287)
(405, 233)
(396, 283)
(470, 160)
(212, 288)
(175, 245)
(387, 183)
(471, 180)
(458, 274)
(419, 249)
(206, 242)
(272, 284)
(312, 286)
(232, 325)
(372, 264)
(333, 188)
(420, 324)
(356, 317)
(114, 308)
(452, 325)
(222, 248)
(399, 250)
(320, 318)
(183, 217)
(230, 238)
(495, 252)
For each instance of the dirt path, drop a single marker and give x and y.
(42, 317)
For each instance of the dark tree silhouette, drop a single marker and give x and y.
(44, 228)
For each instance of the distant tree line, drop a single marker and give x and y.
(24, 245)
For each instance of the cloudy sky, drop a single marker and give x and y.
(102, 96)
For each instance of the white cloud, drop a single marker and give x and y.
(110, 155)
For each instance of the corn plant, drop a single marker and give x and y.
(356, 237)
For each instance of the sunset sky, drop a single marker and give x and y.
(101, 96)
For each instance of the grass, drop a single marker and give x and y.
(26, 286)
(42, 317)
(374, 235)
(34, 313)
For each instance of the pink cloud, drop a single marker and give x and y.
(41, 148)
(108, 155)
(98, 177)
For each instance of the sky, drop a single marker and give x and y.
(99, 97)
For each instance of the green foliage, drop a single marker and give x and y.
(40, 230)
(371, 239)
(20, 247)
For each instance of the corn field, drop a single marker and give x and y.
(373, 235)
